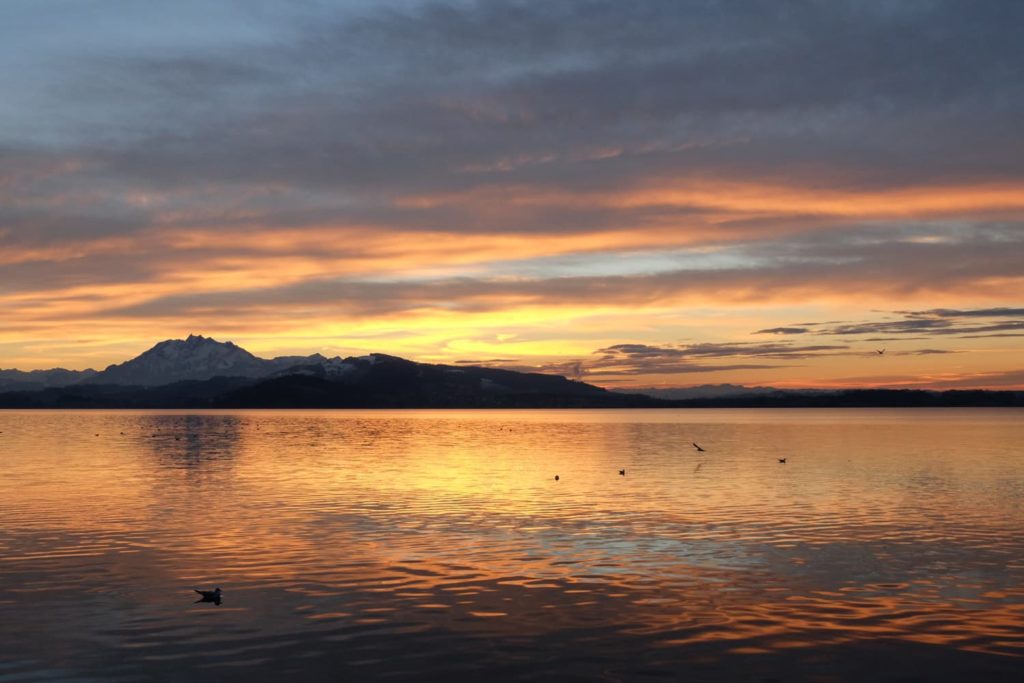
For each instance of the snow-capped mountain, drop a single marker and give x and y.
(203, 371)
(195, 358)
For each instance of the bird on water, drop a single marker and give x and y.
(556, 477)
(782, 460)
(208, 596)
(699, 449)
(622, 472)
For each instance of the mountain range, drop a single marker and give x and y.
(200, 372)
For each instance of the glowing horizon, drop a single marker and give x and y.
(715, 195)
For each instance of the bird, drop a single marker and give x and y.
(782, 460)
(697, 468)
(880, 352)
(208, 596)
(699, 449)
(556, 477)
(622, 472)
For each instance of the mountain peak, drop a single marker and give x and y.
(174, 360)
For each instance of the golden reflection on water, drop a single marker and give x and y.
(414, 535)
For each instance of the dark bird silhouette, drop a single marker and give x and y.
(697, 468)
(622, 472)
(556, 477)
(782, 460)
(880, 352)
(208, 596)
(699, 449)
(177, 438)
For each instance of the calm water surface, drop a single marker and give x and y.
(413, 545)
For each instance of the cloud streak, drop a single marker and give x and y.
(922, 324)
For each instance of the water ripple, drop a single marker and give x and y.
(387, 544)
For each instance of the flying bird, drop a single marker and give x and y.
(880, 352)
(699, 449)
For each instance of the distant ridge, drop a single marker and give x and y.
(700, 392)
(201, 372)
(40, 379)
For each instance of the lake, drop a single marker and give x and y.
(437, 545)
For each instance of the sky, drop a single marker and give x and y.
(636, 194)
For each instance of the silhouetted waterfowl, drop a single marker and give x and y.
(701, 450)
(556, 477)
(782, 460)
(208, 596)
(622, 472)
(177, 438)
(880, 352)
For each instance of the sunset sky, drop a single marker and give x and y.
(638, 194)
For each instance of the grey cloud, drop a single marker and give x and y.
(721, 350)
(992, 336)
(925, 352)
(783, 330)
(972, 313)
(963, 323)
(370, 104)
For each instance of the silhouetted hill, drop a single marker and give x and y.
(199, 372)
(389, 382)
(375, 381)
(31, 380)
